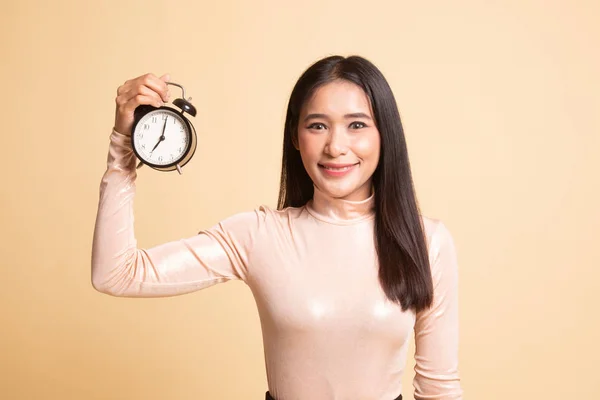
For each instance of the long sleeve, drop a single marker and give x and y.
(436, 329)
(120, 268)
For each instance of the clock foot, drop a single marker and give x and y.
(179, 169)
(140, 165)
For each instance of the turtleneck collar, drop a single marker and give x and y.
(340, 211)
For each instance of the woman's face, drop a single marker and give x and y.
(338, 140)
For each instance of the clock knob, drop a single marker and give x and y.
(185, 106)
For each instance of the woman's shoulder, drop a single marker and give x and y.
(266, 214)
(283, 215)
(436, 232)
(433, 225)
(254, 222)
(430, 225)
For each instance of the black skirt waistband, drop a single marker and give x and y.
(269, 397)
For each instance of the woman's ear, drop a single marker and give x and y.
(295, 142)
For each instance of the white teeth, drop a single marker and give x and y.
(338, 169)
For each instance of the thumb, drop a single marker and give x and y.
(166, 77)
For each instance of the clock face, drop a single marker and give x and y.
(161, 137)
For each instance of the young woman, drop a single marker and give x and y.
(342, 271)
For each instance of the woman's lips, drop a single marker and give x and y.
(337, 170)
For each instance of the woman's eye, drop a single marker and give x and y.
(357, 125)
(316, 125)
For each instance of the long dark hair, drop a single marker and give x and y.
(404, 270)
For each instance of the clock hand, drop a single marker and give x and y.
(157, 143)
(162, 135)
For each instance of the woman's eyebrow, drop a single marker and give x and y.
(324, 116)
(315, 116)
(357, 115)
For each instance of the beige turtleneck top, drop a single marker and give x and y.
(328, 330)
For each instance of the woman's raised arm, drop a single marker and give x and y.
(119, 267)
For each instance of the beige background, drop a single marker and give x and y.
(500, 102)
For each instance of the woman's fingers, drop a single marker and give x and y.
(140, 93)
(145, 89)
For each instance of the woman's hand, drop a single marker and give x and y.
(145, 89)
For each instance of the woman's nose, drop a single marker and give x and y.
(337, 143)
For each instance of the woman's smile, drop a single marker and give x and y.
(337, 170)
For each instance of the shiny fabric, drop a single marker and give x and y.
(269, 397)
(329, 332)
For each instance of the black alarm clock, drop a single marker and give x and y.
(163, 137)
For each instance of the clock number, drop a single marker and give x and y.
(154, 119)
(164, 117)
(160, 158)
(144, 146)
(146, 126)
